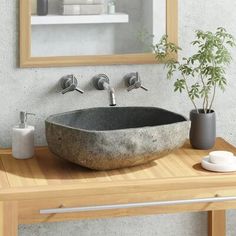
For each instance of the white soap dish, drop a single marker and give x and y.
(208, 165)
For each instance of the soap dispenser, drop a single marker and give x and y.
(23, 138)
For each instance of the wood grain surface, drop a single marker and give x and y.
(45, 181)
(47, 173)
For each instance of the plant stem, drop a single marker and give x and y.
(187, 88)
(213, 97)
(214, 91)
(205, 101)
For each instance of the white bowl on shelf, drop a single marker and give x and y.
(221, 157)
(208, 165)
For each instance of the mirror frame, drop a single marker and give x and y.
(27, 61)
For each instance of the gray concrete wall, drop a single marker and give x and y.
(34, 90)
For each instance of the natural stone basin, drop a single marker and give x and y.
(112, 138)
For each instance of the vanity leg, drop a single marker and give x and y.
(216, 223)
(8, 218)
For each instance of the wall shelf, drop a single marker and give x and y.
(80, 19)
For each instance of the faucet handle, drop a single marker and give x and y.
(100, 81)
(69, 83)
(144, 88)
(134, 82)
(79, 90)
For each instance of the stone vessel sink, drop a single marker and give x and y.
(112, 138)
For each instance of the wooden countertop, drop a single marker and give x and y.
(46, 182)
(47, 175)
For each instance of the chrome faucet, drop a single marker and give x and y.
(69, 83)
(133, 81)
(102, 82)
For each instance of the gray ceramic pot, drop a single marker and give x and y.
(203, 129)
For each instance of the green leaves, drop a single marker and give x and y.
(212, 47)
(172, 67)
(195, 91)
(164, 48)
(179, 85)
(202, 72)
(204, 91)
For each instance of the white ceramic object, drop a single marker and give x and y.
(221, 157)
(111, 8)
(208, 165)
(23, 142)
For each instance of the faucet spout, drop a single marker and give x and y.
(102, 82)
(112, 97)
(111, 92)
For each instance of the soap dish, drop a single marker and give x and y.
(206, 164)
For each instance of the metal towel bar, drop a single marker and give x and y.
(136, 205)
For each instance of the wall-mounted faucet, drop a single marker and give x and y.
(133, 81)
(69, 83)
(102, 82)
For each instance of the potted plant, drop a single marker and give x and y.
(199, 75)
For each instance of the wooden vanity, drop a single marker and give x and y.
(48, 189)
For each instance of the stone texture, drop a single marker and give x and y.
(112, 138)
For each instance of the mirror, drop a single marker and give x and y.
(98, 32)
